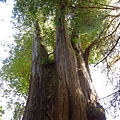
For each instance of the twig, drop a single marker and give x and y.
(51, 53)
(109, 95)
(112, 32)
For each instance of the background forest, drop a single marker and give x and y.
(97, 23)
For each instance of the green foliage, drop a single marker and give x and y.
(88, 22)
(96, 52)
(44, 60)
(18, 112)
(86, 39)
(16, 69)
(1, 111)
(48, 33)
(48, 60)
(75, 40)
(28, 11)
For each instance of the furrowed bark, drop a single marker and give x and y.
(42, 83)
(67, 71)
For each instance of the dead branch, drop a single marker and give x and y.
(109, 51)
(111, 32)
(98, 39)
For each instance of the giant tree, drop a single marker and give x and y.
(60, 82)
(61, 89)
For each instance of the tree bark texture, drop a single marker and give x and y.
(61, 90)
(72, 78)
(42, 85)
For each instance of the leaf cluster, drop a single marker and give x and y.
(16, 69)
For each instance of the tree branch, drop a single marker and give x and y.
(97, 3)
(96, 7)
(94, 42)
(111, 32)
(98, 39)
(110, 95)
(109, 52)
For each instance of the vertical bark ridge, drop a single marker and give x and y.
(85, 80)
(83, 68)
(66, 63)
(42, 83)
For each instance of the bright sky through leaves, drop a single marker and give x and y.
(6, 30)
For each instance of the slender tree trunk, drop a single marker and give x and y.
(61, 90)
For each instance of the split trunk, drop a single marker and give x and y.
(62, 89)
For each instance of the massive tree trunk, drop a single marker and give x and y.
(43, 82)
(61, 90)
